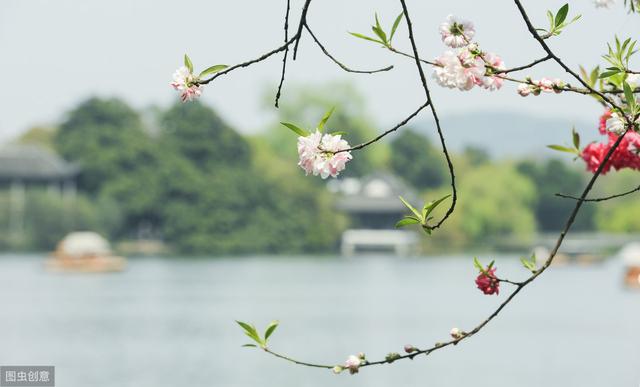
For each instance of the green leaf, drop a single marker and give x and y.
(406, 221)
(270, 328)
(409, 206)
(561, 15)
(380, 33)
(477, 264)
(187, 63)
(396, 23)
(576, 138)
(325, 118)
(628, 95)
(530, 264)
(250, 345)
(428, 208)
(213, 69)
(299, 131)
(491, 264)
(365, 37)
(250, 331)
(561, 148)
(594, 75)
(338, 133)
(551, 19)
(607, 74)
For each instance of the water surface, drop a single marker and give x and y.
(169, 322)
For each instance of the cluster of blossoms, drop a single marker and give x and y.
(468, 66)
(186, 83)
(544, 85)
(323, 154)
(626, 154)
(487, 281)
(352, 364)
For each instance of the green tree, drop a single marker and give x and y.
(619, 215)
(496, 201)
(196, 132)
(551, 177)
(417, 161)
(106, 138)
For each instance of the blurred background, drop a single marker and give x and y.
(135, 228)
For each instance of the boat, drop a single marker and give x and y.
(86, 252)
(630, 255)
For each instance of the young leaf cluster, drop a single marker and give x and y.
(208, 71)
(381, 36)
(575, 139)
(420, 217)
(618, 59)
(557, 22)
(252, 333)
(481, 268)
(320, 127)
(530, 264)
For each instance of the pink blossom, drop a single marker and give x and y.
(318, 156)
(487, 282)
(524, 89)
(184, 81)
(456, 32)
(545, 84)
(353, 364)
(461, 71)
(493, 82)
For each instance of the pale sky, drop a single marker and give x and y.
(54, 53)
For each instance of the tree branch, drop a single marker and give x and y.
(602, 199)
(286, 51)
(379, 137)
(423, 79)
(342, 66)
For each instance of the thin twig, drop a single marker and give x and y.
(527, 66)
(602, 199)
(423, 79)
(286, 52)
(553, 56)
(342, 66)
(303, 20)
(398, 126)
(249, 62)
(267, 350)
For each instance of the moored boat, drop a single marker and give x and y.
(84, 252)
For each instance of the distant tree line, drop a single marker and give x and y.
(189, 179)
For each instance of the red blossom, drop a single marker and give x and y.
(487, 282)
(625, 156)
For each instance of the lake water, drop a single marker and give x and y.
(170, 322)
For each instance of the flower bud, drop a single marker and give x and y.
(524, 89)
(337, 369)
(391, 357)
(353, 363)
(456, 333)
(410, 348)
